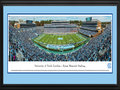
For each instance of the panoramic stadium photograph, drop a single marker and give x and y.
(60, 37)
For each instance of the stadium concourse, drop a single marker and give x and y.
(22, 48)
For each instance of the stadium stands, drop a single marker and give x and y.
(22, 48)
(87, 32)
(60, 27)
(90, 27)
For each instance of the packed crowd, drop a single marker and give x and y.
(87, 32)
(93, 28)
(97, 49)
(59, 30)
(22, 48)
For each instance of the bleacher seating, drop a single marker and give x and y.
(20, 42)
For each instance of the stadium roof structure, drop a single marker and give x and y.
(60, 21)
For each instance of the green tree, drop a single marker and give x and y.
(37, 23)
(12, 22)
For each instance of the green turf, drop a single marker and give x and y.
(77, 40)
(53, 39)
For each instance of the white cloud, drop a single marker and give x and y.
(39, 18)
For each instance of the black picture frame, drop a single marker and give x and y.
(60, 3)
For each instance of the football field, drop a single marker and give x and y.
(59, 40)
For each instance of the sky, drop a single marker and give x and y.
(61, 18)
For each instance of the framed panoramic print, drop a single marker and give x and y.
(60, 43)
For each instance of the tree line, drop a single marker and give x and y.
(41, 23)
(105, 23)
